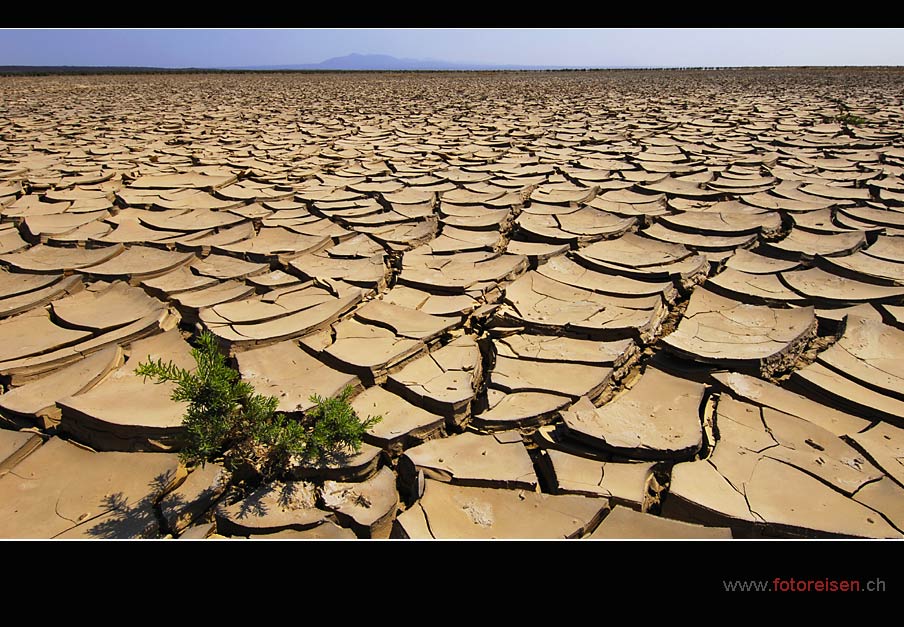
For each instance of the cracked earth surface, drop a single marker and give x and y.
(661, 304)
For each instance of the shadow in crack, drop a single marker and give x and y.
(288, 496)
(335, 457)
(123, 519)
(137, 519)
(254, 505)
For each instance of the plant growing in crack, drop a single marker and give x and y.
(846, 117)
(335, 426)
(228, 421)
(850, 119)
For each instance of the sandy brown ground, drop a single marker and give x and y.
(587, 304)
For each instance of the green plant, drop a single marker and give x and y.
(851, 119)
(336, 426)
(228, 421)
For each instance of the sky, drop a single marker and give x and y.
(619, 47)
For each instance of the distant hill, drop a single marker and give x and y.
(385, 62)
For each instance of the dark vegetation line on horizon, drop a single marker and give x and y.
(53, 70)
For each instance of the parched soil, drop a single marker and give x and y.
(645, 304)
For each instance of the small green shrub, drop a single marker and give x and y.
(228, 421)
(850, 119)
(336, 426)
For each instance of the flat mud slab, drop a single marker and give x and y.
(866, 268)
(645, 259)
(38, 400)
(805, 245)
(884, 444)
(24, 369)
(495, 461)
(196, 496)
(624, 524)
(16, 446)
(272, 508)
(442, 382)
(572, 380)
(278, 315)
(869, 353)
(105, 306)
(25, 298)
(564, 270)
(579, 227)
(622, 483)
(369, 507)
(367, 272)
(724, 332)
(35, 333)
(764, 393)
(402, 424)
(546, 305)
(585, 289)
(754, 289)
(724, 223)
(65, 491)
(449, 511)
(50, 259)
(755, 263)
(405, 322)
(124, 412)
(138, 263)
(887, 248)
(846, 392)
(461, 273)
(290, 374)
(825, 289)
(761, 454)
(658, 419)
(510, 410)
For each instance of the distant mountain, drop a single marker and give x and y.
(385, 62)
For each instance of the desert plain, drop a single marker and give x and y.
(609, 304)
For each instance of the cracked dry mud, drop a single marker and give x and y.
(587, 305)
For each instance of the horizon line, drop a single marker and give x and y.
(476, 68)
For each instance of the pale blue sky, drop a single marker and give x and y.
(621, 47)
